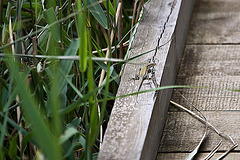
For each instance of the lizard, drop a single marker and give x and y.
(143, 73)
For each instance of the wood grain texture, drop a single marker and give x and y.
(215, 21)
(211, 59)
(183, 132)
(200, 156)
(131, 132)
(216, 67)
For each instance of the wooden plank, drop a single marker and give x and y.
(182, 132)
(200, 156)
(211, 66)
(210, 99)
(131, 132)
(215, 21)
(207, 63)
(210, 60)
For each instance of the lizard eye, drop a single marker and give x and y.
(149, 70)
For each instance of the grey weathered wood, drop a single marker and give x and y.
(211, 66)
(136, 123)
(200, 156)
(215, 21)
(183, 132)
(211, 59)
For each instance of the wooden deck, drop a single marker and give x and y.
(211, 59)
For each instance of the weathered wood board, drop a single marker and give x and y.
(216, 67)
(200, 156)
(183, 132)
(136, 123)
(215, 22)
(211, 59)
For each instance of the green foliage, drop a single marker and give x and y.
(82, 34)
(51, 18)
(12, 152)
(111, 8)
(97, 11)
(55, 108)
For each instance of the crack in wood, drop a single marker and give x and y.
(173, 4)
(134, 129)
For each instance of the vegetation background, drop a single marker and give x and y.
(59, 74)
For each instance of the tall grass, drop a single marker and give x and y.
(57, 109)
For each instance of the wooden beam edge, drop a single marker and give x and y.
(123, 140)
(161, 105)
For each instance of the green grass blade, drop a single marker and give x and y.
(18, 47)
(111, 9)
(72, 106)
(94, 118)
(51, 18)
(3, 129)
(82, 34)
(69, 132)
(65, 66)
(97, 12)
(12, 152)
(15, 125)
(50, 3)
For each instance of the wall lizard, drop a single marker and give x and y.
(143, 73)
